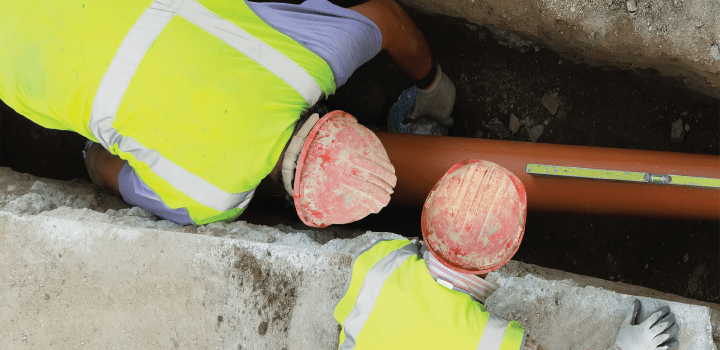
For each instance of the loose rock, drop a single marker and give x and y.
(527, 122)
(551, 102)
(496, 126)
(715, 51)
(513, 41)
(514, 124)
(535, 133)
(631, 6)
(677, 134)
(687, 127)
(262, 328)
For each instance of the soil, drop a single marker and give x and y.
(601, 107)
(674, 39)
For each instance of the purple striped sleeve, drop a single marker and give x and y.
(135, 192)
(345, 39)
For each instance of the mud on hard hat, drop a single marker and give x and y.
(474, 218)
(342, 173)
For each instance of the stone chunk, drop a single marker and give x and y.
(535, 132)
(551, 102)
(514, 124)
(497, 127)
(677, 134)
(631, 6)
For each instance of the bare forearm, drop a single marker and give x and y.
(401, 38)
(104, 168)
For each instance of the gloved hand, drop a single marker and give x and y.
(657, 332)
(436, 101)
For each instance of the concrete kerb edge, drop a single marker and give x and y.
(331, 258)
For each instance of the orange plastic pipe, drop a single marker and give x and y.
(420, 161)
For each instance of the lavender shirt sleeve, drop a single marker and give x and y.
(345, 39)
(135, 192)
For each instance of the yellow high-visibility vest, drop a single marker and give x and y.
(392, 302)
(199, 96)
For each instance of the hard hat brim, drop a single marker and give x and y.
(473, 219)
(343, 173)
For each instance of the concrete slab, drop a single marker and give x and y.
(560, 315)
(70, 284)
(118, 278)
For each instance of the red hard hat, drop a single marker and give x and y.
(474, 218)
(343, 173)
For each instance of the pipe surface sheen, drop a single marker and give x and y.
(420, 161)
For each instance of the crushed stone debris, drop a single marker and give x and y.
(535, 132)
(677, 133)
(632, 6)
(551, 102)
(498, 128)
(514, 124)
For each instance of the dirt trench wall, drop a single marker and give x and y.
(677, 38)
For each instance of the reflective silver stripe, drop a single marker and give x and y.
(256, 49)
(370, 290)
(122, 68)
(188, 183)
(128, 57)
(493, 334)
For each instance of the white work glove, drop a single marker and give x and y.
(436, 101)
(657, 332)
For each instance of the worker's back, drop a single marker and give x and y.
(53, 55)
(145, 77)
(393, 302)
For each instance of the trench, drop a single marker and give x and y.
(601, 107)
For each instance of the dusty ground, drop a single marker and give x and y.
(675, 39)
(604, 108)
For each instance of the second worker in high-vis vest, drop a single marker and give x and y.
(411, 295)
(189, 104)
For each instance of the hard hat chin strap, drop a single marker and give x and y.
(293, 152)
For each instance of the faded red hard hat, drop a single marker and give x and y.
(474, 218)
(343, 173)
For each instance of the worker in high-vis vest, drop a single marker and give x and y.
(189, 104)
(416, 295)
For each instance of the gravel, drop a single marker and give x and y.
(535, 132)
(677, 134)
